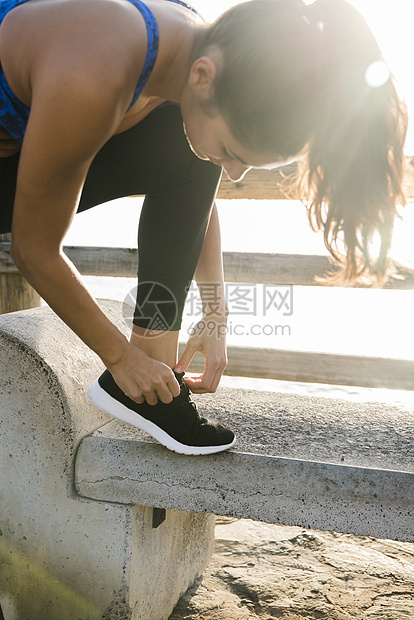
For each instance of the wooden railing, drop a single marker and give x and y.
(254, 267)
(292, 269)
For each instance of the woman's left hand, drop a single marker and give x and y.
(209, 338)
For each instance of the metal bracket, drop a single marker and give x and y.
(158, 517)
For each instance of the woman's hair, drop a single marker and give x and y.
(294, 83)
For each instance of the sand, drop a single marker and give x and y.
(271, 571)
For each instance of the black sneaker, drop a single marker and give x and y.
(177, 426)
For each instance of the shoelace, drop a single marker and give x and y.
(184, 400)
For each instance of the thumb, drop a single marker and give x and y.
(186, 357)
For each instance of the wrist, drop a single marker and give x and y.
(218, 315)
(116, 345)
(213, 299)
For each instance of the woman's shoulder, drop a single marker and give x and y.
(97, 39)
(49, 21)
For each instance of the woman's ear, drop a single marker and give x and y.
(203, 75)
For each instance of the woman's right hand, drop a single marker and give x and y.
(142, 378)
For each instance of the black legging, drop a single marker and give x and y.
(152, 158)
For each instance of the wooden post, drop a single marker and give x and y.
(15, 292)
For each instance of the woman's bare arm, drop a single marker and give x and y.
(74, 111)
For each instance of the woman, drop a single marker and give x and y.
(271, 80)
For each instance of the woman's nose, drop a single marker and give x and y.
(235, 170)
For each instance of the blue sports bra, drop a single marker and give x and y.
(14, 114)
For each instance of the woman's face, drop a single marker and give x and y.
(210, 139)
(208, 134)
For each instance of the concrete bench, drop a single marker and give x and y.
(319, 463)
(62, 556)
(98, 521)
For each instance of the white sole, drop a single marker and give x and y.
(114, 408)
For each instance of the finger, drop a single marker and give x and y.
(216, 380)
(151, 397)
(198, 390)
(186, 357)
(135, 394)
(209, 381)
(168, 391)
(207, 378)
(192, 381)
(130, 389)
(198, 385)
(138, 400)
(174, 387)
(219, 373)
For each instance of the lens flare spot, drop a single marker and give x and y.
(377, 74)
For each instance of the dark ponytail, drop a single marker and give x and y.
(355, 163)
